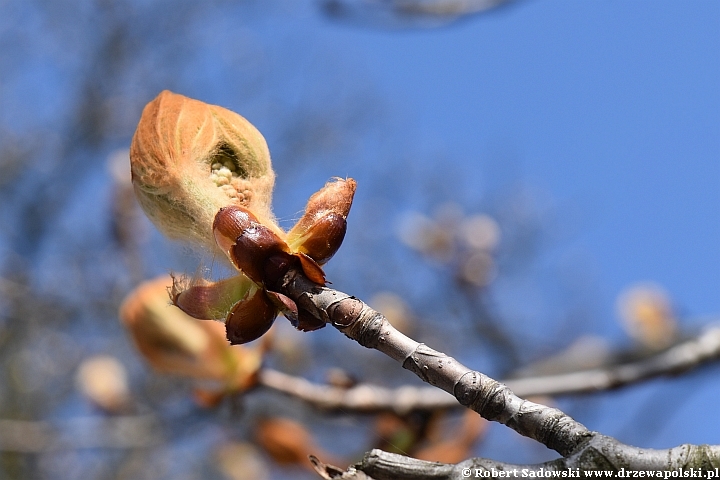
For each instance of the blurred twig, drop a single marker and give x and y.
(80, 433)
(684, 356)
(360, 398)
(426, 13)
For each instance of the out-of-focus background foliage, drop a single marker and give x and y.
(520, 171)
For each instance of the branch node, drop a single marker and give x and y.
(344, 312)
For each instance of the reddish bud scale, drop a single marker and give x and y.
(323, 238)
(256, 250)
(229, 224)
(251, 318)
(275, 268)
(261, 255)
(321, 230)
(194, 301)
(266, 258)
(307, 322)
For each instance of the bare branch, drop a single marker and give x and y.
(363, 398)
(684, 356)
(491, 399)
(600, 453)
(368, 398)
(581, 448)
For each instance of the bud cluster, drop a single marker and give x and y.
(202, 174)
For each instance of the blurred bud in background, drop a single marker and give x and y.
(104, 381)
(647, 315)
(480, 232)
(288, 442)
(468, 242)
(477, 269)
(395, 310)
(426, 236)
(242, 461)
(399, 433)
(455, 442)
(173, 342)
(479, 235)
(435, 436)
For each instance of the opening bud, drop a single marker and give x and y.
(189, 159)
(258, 251)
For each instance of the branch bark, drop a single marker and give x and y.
(600, 453)
(488, 397)
(580, 448)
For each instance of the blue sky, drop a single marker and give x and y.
(612, 109)
(607, 112)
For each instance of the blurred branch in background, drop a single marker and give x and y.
(80, 433)
(76, 401)
(406, 13)
(579, 447)
(679, 358)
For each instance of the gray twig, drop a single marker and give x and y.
(137, 431)
(581, 449)
(366, 398)
(600, 453)
(491, 399)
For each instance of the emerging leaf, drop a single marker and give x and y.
(210, 300)
(173, 342)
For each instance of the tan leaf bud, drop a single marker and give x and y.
(648, 315)
(189, 159)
